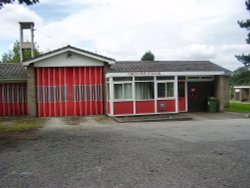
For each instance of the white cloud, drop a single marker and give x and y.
(10, 16)
(125, 29)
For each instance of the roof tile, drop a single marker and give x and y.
(12, 71)
(166, 66)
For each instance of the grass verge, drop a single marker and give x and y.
(20, 124)
(238, 107)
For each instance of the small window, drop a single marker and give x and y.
(119, 79)
(144, 78)
(181, 78)
(165, 78)
(193, 77)
(123, 91)
(144, 90)
(165, 90)
(207, 77)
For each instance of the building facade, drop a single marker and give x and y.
(242, 93)
(73, 82)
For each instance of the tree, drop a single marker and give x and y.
(27, 2)
(245, 59)
(241, 76)
(13, 56)
(148, 56)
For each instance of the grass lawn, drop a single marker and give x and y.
(238, 107)
(20, 124)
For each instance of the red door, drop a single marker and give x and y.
(70, 91)
(13, 99)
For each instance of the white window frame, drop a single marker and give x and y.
(166, 98)
(143, 81)
(134, 100)
(123, 82)
(199, 78)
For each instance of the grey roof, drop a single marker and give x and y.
(166, 66)
(12, 71)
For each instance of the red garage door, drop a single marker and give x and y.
(13, 99)
(67, 91)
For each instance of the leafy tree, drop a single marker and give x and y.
(148, 56)
(241, 76)
(13, 56)
(27, 2)
(245, 59)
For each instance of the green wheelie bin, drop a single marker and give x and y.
(211, 104)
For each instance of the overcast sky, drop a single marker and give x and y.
(125, 29)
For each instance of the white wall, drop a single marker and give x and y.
(68, 59)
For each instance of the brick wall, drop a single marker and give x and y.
(31, 91)
(222, 91)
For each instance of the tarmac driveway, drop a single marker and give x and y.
(98, 152)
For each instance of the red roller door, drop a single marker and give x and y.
(68, 91)
(13, 99)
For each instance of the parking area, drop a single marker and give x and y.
(212, 150)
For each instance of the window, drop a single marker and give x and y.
(207, 77)
(12, 93)
(123, 91)
(193, 77)
(87, 93)
(52, 93)
(181, 89)
(118, 79)
(200, 78)
(181, 78)
(144, 90)
(144, 78)
(165, 90)
(165, 78)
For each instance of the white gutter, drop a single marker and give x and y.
(200, 73)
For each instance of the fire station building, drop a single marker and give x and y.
(73, 82)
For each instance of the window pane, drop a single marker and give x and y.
(118, 91)
(165, 90)
(144, 78)
(181, 78)
(206, 77)
(127, 91)
(144, 90)
(193, 77)
(122, 78)
(181, 89)
(165, 78)
(161, 90)
(170, 89)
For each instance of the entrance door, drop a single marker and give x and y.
(198, 93)
(182, 96)
(68, 91)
